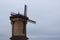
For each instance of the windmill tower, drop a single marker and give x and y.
(19, 22)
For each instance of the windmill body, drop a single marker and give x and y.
(18, 22)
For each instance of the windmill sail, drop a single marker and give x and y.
(32, 21)
(25, 10)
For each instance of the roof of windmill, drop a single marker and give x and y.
(18, 16)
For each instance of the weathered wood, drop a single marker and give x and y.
(18, 27)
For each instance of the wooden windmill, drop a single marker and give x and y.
(19, 22)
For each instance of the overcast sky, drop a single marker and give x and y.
(45, 12)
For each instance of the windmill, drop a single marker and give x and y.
(19, 22)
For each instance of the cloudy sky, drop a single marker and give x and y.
(45, 12)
